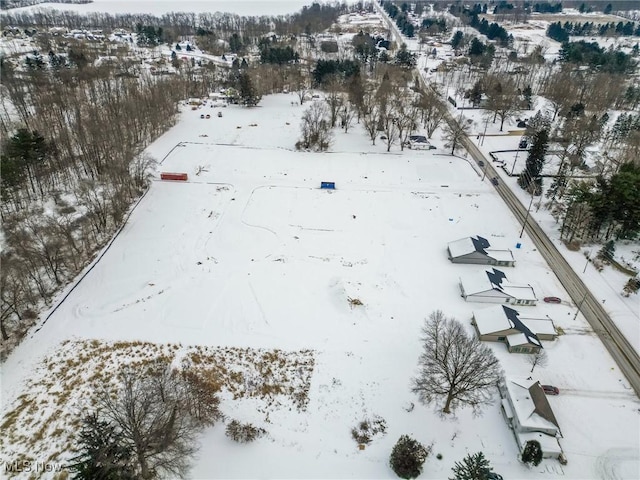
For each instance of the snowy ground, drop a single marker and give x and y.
(249, 253)
(608, 284)
(161, 7)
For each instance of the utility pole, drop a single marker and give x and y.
(588, 255)
(580, 305)
(514, 163)
(524, 224)
(484, 134)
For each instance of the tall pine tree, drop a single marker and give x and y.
(530, 179)
(472, 467)
(248, 94)
(104, 454)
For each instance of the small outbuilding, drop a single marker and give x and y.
(477, 250)
(492, 286)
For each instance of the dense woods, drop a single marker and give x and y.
(69, 174)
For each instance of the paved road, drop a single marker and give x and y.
(623, 353)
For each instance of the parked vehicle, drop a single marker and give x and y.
(208, 116)
(494, 476)
(219, 114)
(202, 115)
(524, 143)
(552, 300)
(551, 390)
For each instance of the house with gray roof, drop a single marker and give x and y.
(477, 250)
(528, 412)
(521, 334)
(492, 286)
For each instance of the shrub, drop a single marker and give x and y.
(367, 429)
(632, 286)
(532, 453)
(407, 457)
(243, 432)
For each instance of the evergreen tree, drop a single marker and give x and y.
(475, 94)
(456, 41)
(472, 467)
(104, 453)
(530, 178)
(407, 457)
(405, 58)
(532, 453)
(235, 43)
(527, 94)
(608, 250)
(248, 94)
(175, 63)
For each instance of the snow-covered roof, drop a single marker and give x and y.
(523, 292)
(479, 244)
(500, 255)
(518, 339)
(492, 319)
(496, 280)
(547, 443)
(531, 405)
(539, 326)
(478, 283)
(500, 317)
(467, 245)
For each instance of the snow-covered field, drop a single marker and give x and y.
(161, 7)
(250, 253)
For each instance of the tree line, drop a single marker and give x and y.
(594, 56)
(561, 32)
(316, 17)
(71, 167)
(493, 31)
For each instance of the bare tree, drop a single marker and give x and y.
(154, 411)
(389, 120)
(315, 127)
(371, 115)
(334, 98)
(538, 359)
(454, 366)
(502, 98)
(454, 132)
(347, 114)
(407, 113)
(560, 91)
(431, 112)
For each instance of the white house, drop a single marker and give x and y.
(477, 250)
(527, 411)
(504, 324)
(492, 286)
